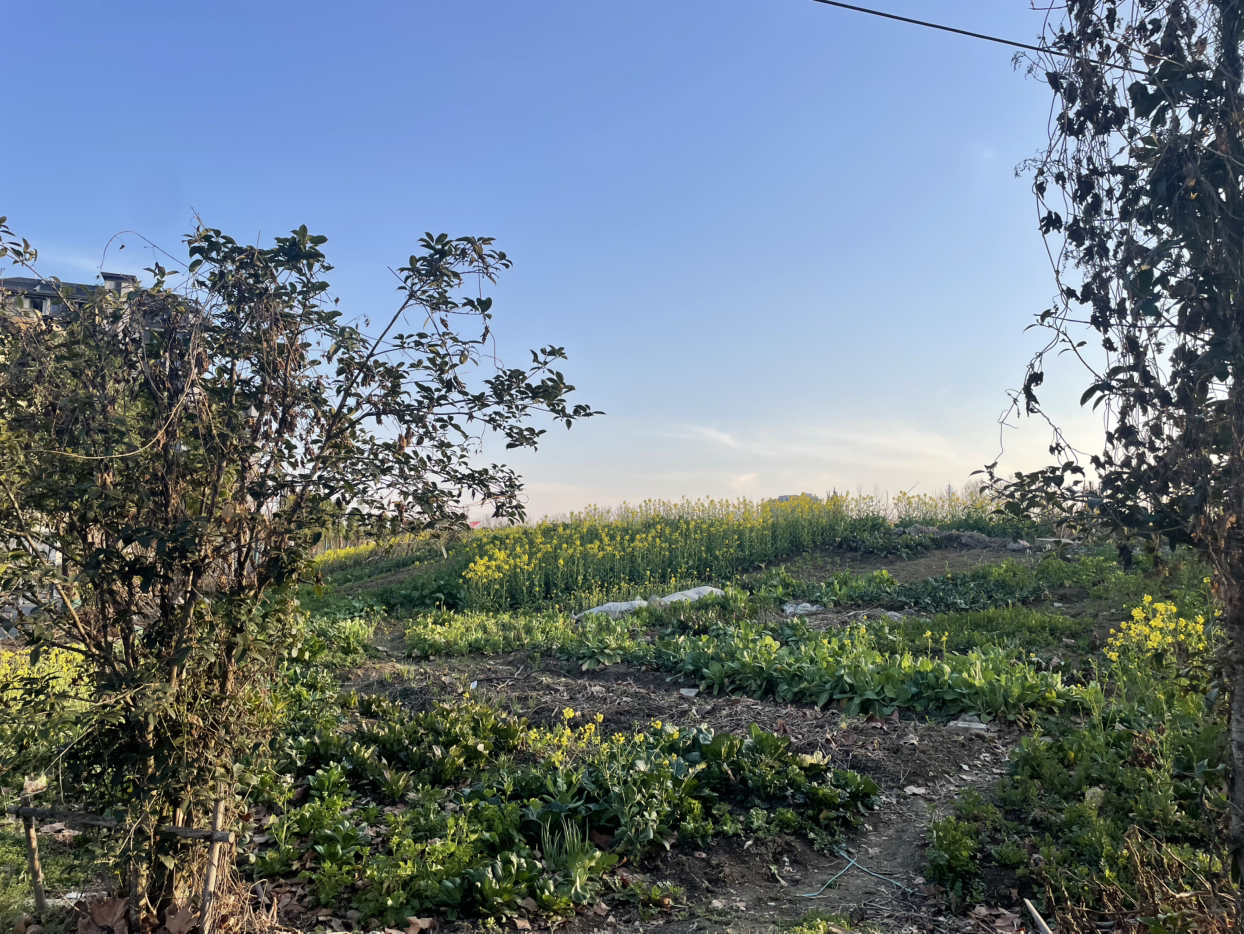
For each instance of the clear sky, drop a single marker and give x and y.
(783, 244)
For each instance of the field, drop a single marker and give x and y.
(954, 726)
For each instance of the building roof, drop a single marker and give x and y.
(24, 285)
(39, 286)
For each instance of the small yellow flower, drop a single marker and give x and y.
(568, 713)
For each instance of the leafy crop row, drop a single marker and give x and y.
(468, 810)
(871, 666)
(849, 667)
(1007, 583)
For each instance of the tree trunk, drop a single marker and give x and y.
(1233, 626)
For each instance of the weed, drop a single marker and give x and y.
(952, 856)
(820, 922)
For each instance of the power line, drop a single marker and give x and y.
(969, 34)
(920, 22)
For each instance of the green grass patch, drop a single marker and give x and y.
(66, 868)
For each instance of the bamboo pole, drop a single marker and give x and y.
(32, 858)
(1037, 919)
(213, 860)
(93, 820)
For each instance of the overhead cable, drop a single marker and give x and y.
(972, 35)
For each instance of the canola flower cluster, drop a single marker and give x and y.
(1156, 630)
(934, 509)
(659, 543)
(339, 556)
(57, 668)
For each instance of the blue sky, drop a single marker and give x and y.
(783, 244)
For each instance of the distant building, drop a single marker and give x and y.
(43, 296)
(787, 497)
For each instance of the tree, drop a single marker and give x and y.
(1141, 196)
(168, 459)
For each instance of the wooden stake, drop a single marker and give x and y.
(213, 859)
(32, 858)
(1037, 919)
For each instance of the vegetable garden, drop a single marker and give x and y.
(451, 746)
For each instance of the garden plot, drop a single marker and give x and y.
(754, 880)
(705, 766)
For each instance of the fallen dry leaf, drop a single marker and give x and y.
(915, 790)
(59, 832)
(530, 904)
(104, 916)
(180, 920)
(1005, 921)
